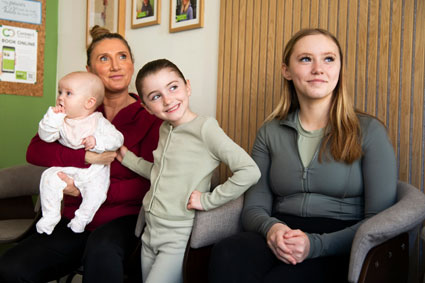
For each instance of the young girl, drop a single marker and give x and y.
(190, 148)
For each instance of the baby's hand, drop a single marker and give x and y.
(58, 109)
(195, 201)
(121, 153)
(89, 142)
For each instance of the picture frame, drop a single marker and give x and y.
(145, 13)
(109, 14)
(186, 14)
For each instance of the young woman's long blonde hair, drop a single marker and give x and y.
(343, 136)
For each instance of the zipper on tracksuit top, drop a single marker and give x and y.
(305, 175)
(167, 142)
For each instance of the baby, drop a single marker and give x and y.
(75, 123)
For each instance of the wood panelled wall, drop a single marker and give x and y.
(383, 44)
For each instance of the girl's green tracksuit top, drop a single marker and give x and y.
(184, 161)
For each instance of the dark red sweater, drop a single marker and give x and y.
(127, 189)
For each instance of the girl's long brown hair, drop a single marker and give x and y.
(343, 136)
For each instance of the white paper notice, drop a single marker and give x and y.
(18, 57)
(25, 11)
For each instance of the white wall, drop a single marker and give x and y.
(194, 51)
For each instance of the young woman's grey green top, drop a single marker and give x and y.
(323, 189)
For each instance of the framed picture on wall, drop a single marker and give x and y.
(109, 14)
(186, 14)
(145, 13)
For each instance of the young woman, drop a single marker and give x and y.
(324, 169)
(109, 238)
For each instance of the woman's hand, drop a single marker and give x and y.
(70, 188)
(277, 243)
(195, 201)
(100, 158)
(298, 242)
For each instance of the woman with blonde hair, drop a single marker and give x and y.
(325, 168)
(109, 239)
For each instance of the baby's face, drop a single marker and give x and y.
(71, 97)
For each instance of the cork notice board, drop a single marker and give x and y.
(24, 15)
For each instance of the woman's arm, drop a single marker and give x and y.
(54, 154)
(256, 213)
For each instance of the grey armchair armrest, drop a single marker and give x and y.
(212, 226)
(20, 180)
(405, 215)
(18, 214)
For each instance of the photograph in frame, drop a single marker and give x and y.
(109, 14)
(145, 13)
(186, 14)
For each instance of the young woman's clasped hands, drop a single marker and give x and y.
(289, 246)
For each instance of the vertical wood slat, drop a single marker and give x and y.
(417, 168)
(270, 63)
(247, 135)
(323, 18)
(384, 47)
(333, 16)
(240, 99)
(305, 13)
(233, 70)
(296, 18)
(261, 83)
(220, 67)
(314, 13)
(255, 69)
(361, 57)
(372, 50)
(279, 43)
(351, 50)
(405, 92)
(226, 71)
(394, 71)
(383, 44)
(341, 26)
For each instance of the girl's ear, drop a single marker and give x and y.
(285, 72)
(188, 88)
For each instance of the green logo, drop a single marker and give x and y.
(21, 75)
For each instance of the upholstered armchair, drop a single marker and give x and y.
(380, 249)
(19, 210)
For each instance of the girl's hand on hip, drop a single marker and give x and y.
(195, 201)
